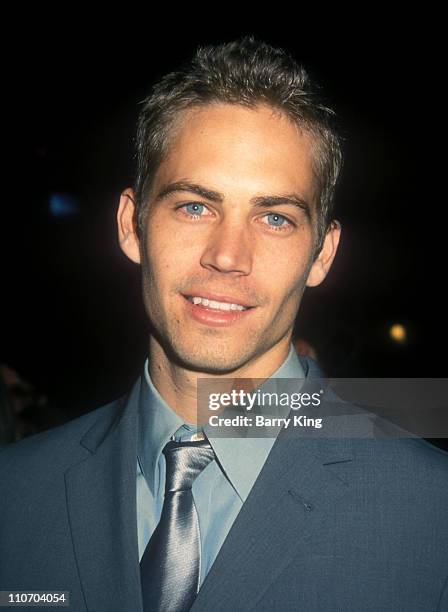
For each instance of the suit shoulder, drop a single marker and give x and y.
(55, 448)
(407, 460)
(433, 457)
(382, 442)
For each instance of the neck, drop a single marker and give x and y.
(178, 385)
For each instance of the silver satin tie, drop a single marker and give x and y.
(170, 566)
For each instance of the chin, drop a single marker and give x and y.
(211, 359)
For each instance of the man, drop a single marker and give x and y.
(137, 505)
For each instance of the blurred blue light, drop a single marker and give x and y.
(63, 205)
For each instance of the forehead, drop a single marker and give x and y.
(239, 150)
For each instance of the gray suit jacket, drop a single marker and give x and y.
(331, 524)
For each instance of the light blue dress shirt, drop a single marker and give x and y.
(220, 489)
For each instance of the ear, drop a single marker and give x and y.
(322, 263)
(127, 226)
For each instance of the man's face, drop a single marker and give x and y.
(237, 245)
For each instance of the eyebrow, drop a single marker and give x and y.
(214, 196)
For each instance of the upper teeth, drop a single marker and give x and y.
(215, 304)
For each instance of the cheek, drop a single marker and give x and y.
(284, 276)
(159, 249)
(169, 258)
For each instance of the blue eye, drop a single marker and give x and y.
(278, 220)
(194, 208)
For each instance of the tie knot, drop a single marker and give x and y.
(184, 462)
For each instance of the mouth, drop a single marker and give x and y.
(217, 302)
(216, 310)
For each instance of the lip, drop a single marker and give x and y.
(218, 297)
(215, 318)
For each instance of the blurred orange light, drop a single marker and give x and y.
(398, 333)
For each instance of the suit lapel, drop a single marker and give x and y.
(296, 485)
(101, 501)
(299, 481)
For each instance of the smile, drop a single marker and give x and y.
(215, 313)
(215, 304)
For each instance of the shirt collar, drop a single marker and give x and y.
(157, 423)
(240, 458)
(243, 457)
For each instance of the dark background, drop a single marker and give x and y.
(73, 320)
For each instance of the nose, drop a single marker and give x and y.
(228, 248)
